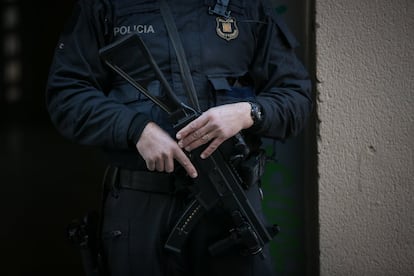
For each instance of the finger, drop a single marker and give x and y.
(192, 127)
(183, 159)
(206, 138)
(195, 135)
(169, 165)
(159, 165)
(205, 134)
(150, 165)
(211, 148)
(209, 133)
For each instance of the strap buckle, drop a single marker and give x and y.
(220, 8)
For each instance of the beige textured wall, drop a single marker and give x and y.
(365, 66)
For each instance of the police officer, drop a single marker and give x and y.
(248, 79)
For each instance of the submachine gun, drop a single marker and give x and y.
(218, 183)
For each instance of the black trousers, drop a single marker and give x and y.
(136, 225)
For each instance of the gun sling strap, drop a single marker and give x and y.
(179, 50)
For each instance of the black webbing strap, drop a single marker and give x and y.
(220, 8)
(181, 57)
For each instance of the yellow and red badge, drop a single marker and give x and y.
(227, 28)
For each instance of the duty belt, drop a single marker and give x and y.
(146, 181)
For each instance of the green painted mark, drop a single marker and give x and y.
(281, 9)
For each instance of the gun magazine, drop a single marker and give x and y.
(177, 238)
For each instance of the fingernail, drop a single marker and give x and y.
(203, 156)
(187, 148)
(180, 144)
(194, 175)
(178, 136)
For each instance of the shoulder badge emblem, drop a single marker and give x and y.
(227, 28)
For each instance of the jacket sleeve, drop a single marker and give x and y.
(78, 83)
(283, 83)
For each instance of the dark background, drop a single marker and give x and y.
(46, 181)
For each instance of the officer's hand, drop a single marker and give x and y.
(159, 151)
(215, 126)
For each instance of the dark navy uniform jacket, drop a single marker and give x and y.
(91, 105)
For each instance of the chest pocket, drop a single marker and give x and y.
(225, 93)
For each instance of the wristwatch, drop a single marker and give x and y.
(256, 113)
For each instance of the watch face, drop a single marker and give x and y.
(259, 113)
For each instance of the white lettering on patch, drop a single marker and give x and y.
(141, 29)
